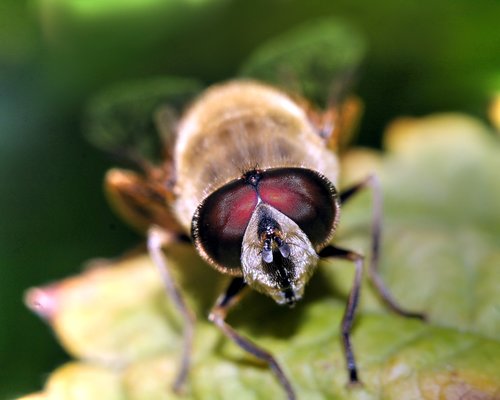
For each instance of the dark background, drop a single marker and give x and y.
(424, 57)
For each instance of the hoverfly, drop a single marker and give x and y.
(251, 180)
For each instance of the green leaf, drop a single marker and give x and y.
(441, 255)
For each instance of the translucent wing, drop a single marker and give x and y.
(317, 60)
(135, 121)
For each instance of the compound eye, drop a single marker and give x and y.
(304, 196)
(220, 222)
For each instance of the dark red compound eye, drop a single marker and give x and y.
(303, 195)
(221, 221)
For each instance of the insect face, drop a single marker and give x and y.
(277, 257)
(267, 227)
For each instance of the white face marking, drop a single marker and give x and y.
(298, 267)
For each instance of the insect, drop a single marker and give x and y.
(252, 183)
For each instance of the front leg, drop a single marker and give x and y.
(335, 252)
(218, 314)
(352, 303)
(159, 239)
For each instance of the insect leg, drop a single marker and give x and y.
(373, 183)
(218, 314)
(347, 320)
(158, 239)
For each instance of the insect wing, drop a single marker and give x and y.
(135, 121)
(317, 60)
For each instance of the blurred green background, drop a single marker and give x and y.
(423, 57)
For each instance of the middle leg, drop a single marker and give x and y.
(218, 315)
(372, 183)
